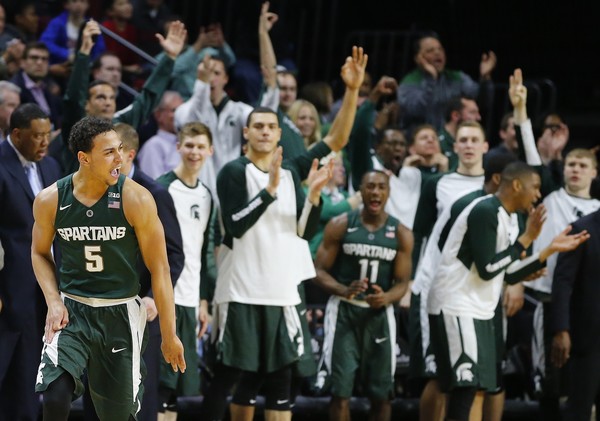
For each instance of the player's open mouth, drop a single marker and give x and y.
(115, 173)
(374, 205)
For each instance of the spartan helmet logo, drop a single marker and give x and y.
(430, 364)
(195, 212)
(464, 373)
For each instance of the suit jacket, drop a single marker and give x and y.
(24, 308)
(576, 289)
(168, 217)
(54, 102)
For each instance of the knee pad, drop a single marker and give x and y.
(167, 400)
(277, 389)
(460, 402)
(247, 389)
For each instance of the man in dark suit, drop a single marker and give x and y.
(24, 171)
(168, 217)
(576, 318)
(35, 83)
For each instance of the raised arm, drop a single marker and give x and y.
(353, 73)
(143, 216)
(152, 91)
(362, 131)
(77, 91)
(198, 107)
(44, 267)
(268, 61)
(517, 92)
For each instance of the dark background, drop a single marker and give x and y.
(556, 43)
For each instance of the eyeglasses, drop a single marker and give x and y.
(37, 58)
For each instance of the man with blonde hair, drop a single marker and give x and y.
(565, 206)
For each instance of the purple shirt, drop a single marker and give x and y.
(159, 154)
(38, 93)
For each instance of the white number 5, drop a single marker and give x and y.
(94, 260)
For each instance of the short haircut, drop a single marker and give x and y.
(85, 130)
(166, 97)
(5, 86)
(379, 172)
(516, 171)
(260, 110)
(454, 104)
(222, 60)
(286, 72)
(194, 129)
(496, 164)
(22, 116)
(128, 135)
(35, 45)
(474, 124)
(98, 82)
(583, 153)
(418, 129)
(97, 63)
(380, 134)
(416, 45)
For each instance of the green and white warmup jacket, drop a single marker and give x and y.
(264, 254)
(480, 253)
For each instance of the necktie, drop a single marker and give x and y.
(32, 177)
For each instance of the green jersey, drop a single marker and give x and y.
(99, 247)
(366, 254)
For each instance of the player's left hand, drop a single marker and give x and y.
(151, 310)
(317, 179)
(565, 242)
(378, 299)
(172, 350)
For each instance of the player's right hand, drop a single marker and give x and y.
(56, 319)
(172, 350)
(356, 287)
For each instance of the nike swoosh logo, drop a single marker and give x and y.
(281, 401)
(352, 229)
(380, 340)
(114, 351)
(303, 312)
(252, 401)
(64, 207)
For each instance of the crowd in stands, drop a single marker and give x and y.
(188, 121)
